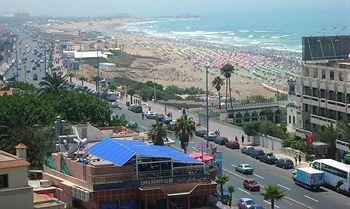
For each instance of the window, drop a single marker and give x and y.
(290, 119)
(4, 181)
(306, 72)
(315, 73)
(323, 94)
(331, 75)
(293, 119)
(323, 74)
(341, 76)
(334, 171)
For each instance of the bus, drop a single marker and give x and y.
(337, 174)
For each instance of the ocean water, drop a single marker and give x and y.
(253, 23)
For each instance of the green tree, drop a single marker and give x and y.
(158, 133)
(227, 71)
(231, 190)
(52, 82)
(329, 135)
(82, 79)
(272, 193)
(344, 128)
(221, 180)
(70, 75)
(184, 128)
(251, 128)
(112, 87)
(118, 121)
(131, 93)
(217, 83)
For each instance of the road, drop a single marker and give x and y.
(265, 174)
(27, 42)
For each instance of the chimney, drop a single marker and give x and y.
(21, 151)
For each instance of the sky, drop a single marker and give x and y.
(154, 8)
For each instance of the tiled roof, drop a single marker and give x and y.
(21, 146)
(14, 163)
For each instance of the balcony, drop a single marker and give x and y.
(315, 82)
(323, 103)
(314, 101)
(332, 105)
(342, 145)
(319, 120)
(341, 107)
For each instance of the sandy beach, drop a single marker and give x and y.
(181, 62)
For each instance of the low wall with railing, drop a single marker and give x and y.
(269, 142)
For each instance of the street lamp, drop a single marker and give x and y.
(207, 100)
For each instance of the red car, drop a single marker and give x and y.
(251, 185)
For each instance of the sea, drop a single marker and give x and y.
(278, 25)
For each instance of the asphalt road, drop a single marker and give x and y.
(26, 72)
(263, 173)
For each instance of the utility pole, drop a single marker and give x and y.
(154, 87)
(17, 74)
(45, 58)
(98, 74)
(207, 102)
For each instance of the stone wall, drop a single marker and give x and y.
(270, 142)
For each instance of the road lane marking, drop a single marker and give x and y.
(243, 190)
(270, 204)
(258, 176)
(284, 187)
(311, 198)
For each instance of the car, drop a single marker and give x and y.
(285, 163)
(131, 107)
(32, 60)
(244, 150)
(171, 124)
(200, 132)
(232, 145)
(251, 185)
(250, 150)
(160, 117)
(211, 137)
(245, 203)
(115, 105)
(222, 140)
(244, 168)
(151, 115)
(268, 158)
(257, 153)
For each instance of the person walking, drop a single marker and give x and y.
(296, 160)
(236, 138)
(299, 159)
(143, 115)
(242, 138)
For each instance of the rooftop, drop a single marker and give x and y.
(7, 160)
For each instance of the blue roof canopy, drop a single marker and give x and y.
(120, 152)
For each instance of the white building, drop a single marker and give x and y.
(108, 67)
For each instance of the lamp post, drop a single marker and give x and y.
(207, 100)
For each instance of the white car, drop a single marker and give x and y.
(150, 115)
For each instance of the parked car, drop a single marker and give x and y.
(244, 168)
(150, 115)
(245, 203)
(135, 108)
(160, 117)
(200, 132)
(285, 163)
(232, 145)
(257, 153)
(251, 185)
(250, 150)
(211, 137)
(244, 150)
(222, 140)
(115, 105)
(268, 158)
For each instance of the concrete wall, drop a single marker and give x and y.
(17, 176)
(20, 198)
(270, 142)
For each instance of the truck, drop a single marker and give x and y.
(309, 178)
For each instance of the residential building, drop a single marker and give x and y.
(129, 174)
(15, 193)
(323, 88)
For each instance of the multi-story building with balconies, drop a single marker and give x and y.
(323, 95)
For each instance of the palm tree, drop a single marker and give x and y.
(231, 190)
(227, 71)
(272, 192)
(131, 92)
(330, 135)
(184, 128)
(82, 79)
(221, 180)
(52, 82)
(345, 130)
(158, 133)
(70, 75)
(217, 83)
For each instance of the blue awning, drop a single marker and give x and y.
(120, 152)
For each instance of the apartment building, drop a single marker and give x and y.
(323, 88)
(15, 193)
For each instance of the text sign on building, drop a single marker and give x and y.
(195, 178)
